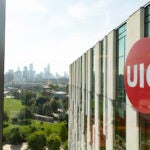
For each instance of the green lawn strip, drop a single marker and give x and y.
(12, 107)
(48, 127)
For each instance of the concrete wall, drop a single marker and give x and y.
(110, 86)
(105, 85)
(111, 65)
(89, 89)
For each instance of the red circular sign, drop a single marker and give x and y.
(137, 75)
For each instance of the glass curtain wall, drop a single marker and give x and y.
(144, 119)
(85, 104)
(102, 136)
(119, 103)
(147, 21)
(92, 96)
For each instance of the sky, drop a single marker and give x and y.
(57, 32)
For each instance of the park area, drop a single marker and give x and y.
(19, 128)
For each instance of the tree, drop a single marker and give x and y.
(28, 97)
(37, 140)
(63, 133)
(54, 105)
(66, 145)
(47, 109)
(5, 116)
(53, 142)
(16, 94)
(15, 136)
(50, 107)
(40, 101)
(25, 113)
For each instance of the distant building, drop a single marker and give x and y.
(47, 72)
(39, 76)
(57, 75)
(9, 76)
(18, 75)
(31, 73)
(25, 73)
(66, 75)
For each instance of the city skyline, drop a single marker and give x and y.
(58, 32)
(31, 67)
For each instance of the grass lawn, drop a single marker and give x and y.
(12, 107)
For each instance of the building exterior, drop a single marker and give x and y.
(100, 113)
(2, 50)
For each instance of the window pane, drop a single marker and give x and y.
(119, 107)
(147, 10)
(121, 29)
(147, 21)
(147, 18)
(121, 47)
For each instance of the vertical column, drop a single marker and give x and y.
(97, 94)
(105, 86)
(86, 101)
(76, 105)
(111, 86)
(83, 102)
(135, 31)
(89, 88)
(2, 51)
(70, 107)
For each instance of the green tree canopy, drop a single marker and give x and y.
(53, 142)
(25, 113)
(63, 133)
(37, 140)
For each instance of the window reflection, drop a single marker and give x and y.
(101, 99)
(119, 103)
(147, 21)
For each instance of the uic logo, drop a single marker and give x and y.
(141, 69)
(137, 75)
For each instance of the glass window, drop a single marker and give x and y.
(119, 103)
(92, 100)
(101, 100)
(121, 47)
(147, 21)
(144, 124)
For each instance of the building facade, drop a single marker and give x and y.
(101, 117)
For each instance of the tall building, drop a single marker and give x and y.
(47, 72)
(9, 76)
(25, 73)
(18, 75)
(31, 73)
(101, 115)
